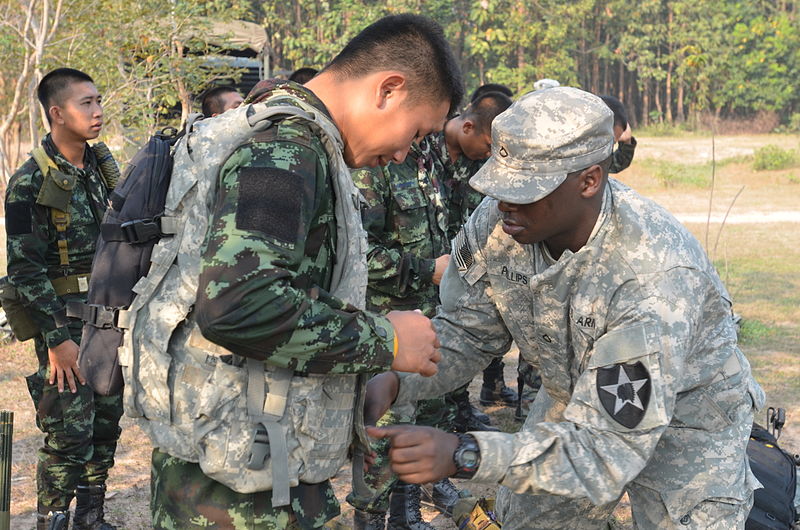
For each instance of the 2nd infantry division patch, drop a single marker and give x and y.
(624, 391)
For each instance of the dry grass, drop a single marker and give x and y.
(759, 263)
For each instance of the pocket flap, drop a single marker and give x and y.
(624, 344)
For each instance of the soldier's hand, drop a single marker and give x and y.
(419, 454)
(64, 365)
(417, 345)
(381, 393)
(441, 266)
(626, 135)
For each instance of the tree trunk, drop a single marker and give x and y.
(646, 103)
(679, 102)
(657, 97)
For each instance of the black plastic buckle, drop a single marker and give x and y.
(103, 317)
(141, 230)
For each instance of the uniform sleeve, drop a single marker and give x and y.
(468, 325)
(391, 270)
(621, 405)
(249, 300)
(28, 238)
(623, 156)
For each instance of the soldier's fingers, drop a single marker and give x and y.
(78, 374)
(59, 379)
(437, 355)
(70, 380)
(429, 369)
(52, 377)
(436, 343)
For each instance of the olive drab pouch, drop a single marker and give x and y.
(19, 317)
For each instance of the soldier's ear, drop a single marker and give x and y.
(468, 126)
(56, 115)
(391, 89)
(591, 181)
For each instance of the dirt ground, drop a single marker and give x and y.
(756, 253)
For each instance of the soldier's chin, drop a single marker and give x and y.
(93, 133)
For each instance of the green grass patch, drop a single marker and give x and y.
(675, 174)
(754, 332)
(772, 157)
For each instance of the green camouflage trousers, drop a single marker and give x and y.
(183, 497)
(438, 412)
(81, 432)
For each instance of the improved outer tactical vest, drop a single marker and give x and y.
(250, 426)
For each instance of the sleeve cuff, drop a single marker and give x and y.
(385, 332)
(56, 336)
(427, 268)
(497, 453)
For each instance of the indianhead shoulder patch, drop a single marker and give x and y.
(624, 391)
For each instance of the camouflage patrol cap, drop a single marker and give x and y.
(541, 138)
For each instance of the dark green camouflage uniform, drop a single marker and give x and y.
(622, 157)
(263, 293)
(407, 227)
(81, 429)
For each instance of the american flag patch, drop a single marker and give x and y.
(461, 252)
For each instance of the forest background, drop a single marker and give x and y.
(691, 64)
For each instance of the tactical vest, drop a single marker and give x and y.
(55, 194)
(250, 426)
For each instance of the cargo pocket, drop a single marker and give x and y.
(327, 426)
(35, 389)
(62, 412)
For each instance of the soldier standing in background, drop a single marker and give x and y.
(644, 389)
(54, 205)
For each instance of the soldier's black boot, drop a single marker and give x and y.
(404, 508)
(494, 390)
(369, 521)
(89, 514)
(468, 418)
(443, 496)
(53, 520)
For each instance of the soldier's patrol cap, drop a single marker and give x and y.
(541, 138)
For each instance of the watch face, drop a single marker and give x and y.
(469, 459)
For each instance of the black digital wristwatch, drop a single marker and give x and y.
(467, 456)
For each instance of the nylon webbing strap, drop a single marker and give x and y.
(43, 161)
(360, 487)
(74, 283)
(99, 316)
(265, 410)
(61, 222)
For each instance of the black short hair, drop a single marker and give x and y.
(54, 84)
(485, 108)
(211, 100)
(413, 44)
(491, 87)
(616, 106)
(303, 75)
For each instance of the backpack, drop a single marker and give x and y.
(131, 226)
(249, 425)
(774, 504)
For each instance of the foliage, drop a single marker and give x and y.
(670, 61)
(773, 157)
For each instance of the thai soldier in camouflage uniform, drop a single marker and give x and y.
(645, 388)
(266, 268)
(626, 143)
(406, 222)
(81, 428)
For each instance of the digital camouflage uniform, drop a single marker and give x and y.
(406, 222)
(622, 156)
(81, 429)
(646, 390)
(263, 293)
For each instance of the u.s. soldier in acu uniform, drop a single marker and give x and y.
(273, 245)
(49, 259)
(645, 390)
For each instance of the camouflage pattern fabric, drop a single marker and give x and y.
(460, 197)
(265, 292)
(634, 339)
(81, 429)
(622, 156)
(182, 498)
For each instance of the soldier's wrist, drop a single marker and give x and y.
(56, 336)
